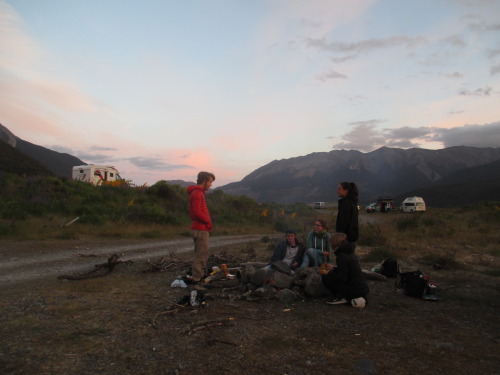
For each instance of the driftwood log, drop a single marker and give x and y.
(169, 263)
(374, 275)
(99, 270)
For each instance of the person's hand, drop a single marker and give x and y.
(295, 264)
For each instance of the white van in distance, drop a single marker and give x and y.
(319, 205)
(413, 204)
(95, 174)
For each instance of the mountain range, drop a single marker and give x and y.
(446, 177)
(452, 176)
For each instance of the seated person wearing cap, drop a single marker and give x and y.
(291, 251)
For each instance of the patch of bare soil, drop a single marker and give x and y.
(127, 322)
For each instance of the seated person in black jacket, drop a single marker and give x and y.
(346, 281)
(291, 251)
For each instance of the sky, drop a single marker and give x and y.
(163, 89)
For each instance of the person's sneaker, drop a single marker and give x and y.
(358, 303)
(337, 301)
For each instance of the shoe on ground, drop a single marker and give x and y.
(358, 303)
(337, 301)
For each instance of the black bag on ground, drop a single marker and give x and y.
(413, 283)
(390, 268)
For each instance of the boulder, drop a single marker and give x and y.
(314, 285)
(282, 267)
(246, 274)
(282, 281)
(259, 278)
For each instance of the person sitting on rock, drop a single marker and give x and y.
(290, 251)
(346, 281)
(318, 245)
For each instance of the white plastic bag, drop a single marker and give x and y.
(178, 283)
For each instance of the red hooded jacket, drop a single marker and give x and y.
(198, 210)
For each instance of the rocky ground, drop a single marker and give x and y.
(128, 322)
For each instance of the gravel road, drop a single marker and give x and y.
(23, 261)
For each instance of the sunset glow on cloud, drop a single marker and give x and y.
(165, 89)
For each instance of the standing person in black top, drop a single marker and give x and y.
(347, 217)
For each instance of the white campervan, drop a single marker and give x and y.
(319, 205)
(95, 174)
(413, 204)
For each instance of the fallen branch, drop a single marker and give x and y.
(374, 275)
(64, 225)
(166, 264)
(255, 264)
(208, 324)
(99, 270)
(243, 297)
(233, 288)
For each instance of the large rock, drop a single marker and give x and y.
(282, 281)
(246, 274)
(282, 267)
(259, 278)
(314, 285)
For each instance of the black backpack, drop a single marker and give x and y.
(413, 283)
(390, 268)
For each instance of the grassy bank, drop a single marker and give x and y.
(44, 207)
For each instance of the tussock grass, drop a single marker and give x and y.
(373, 235)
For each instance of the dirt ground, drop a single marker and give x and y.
(127, 322)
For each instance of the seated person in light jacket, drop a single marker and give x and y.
(318, 245)
(346, 281)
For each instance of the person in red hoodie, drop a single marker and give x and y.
(201, 225)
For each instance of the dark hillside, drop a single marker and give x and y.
(464, 187)
(16, 162)
(60, 164)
